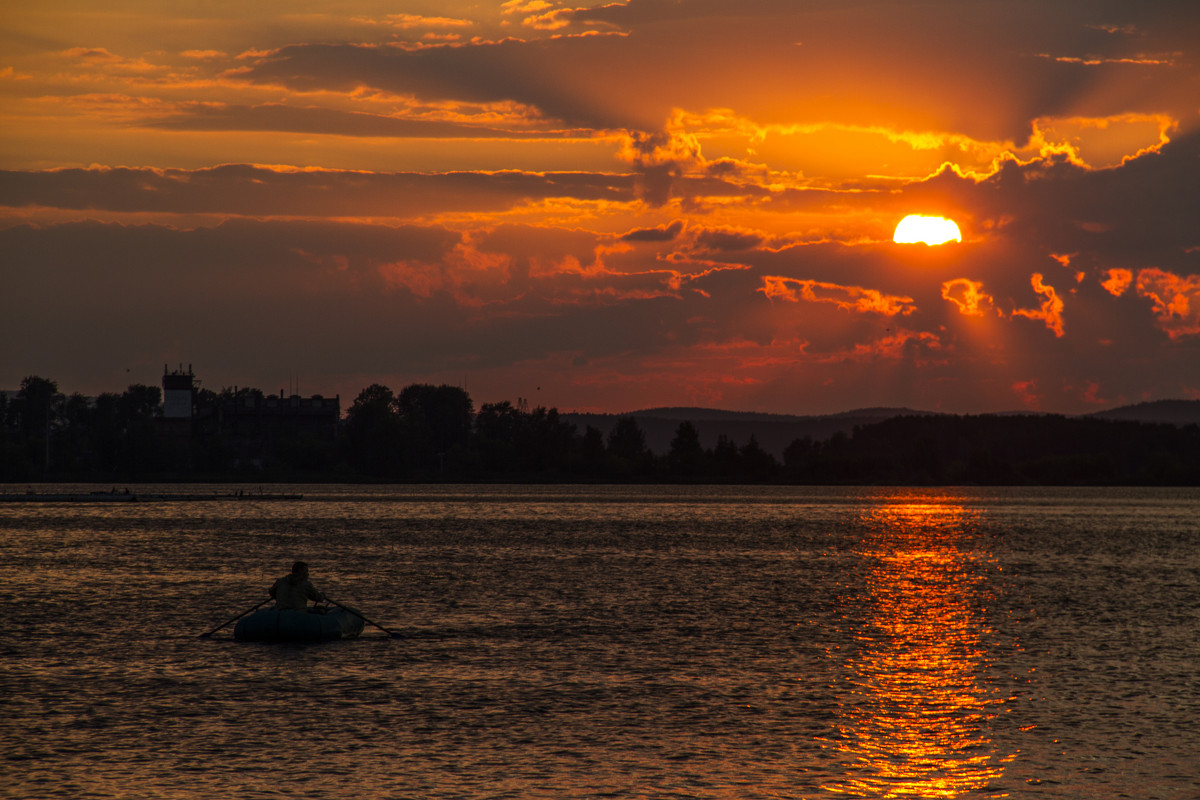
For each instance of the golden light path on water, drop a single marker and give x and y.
(915, 709)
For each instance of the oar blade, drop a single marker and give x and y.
(235, 619)
(359, 614)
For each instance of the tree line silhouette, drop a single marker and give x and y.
(434, 433)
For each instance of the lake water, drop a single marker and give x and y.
(610, 642)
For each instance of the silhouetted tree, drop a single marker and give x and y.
(374, 433)
(72, 446)
(105, 432)
(140, 403)
(627, 449)
(530, 444)
(12, 457)
(800, 460)
(593, 454)
(141, 452)
(725, 457)
(39, 409)
(38, 404)
(686, 456)
(438, 420)
(496, 430)
(756, 464)
(546, 444)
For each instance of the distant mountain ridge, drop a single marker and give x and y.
(696, 414)
(1172, 412)
(774, 432)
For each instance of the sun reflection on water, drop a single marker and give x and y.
(915, 707)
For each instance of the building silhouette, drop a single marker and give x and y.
(251, 424)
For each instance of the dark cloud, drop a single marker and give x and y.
(552, 75)
(637, 13)
(284, 118)
(258, 191)
(663, 233)
(1142, 212)
(259, 299)
(934, 67)
(726, 240)
(987, 71)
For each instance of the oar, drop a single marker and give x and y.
(356, 613)
(235, 619)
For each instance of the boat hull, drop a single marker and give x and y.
(271, 625)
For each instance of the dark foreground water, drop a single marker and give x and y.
(572, 642)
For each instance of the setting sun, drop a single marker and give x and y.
(930, 230)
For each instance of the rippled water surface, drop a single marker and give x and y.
(572, 642)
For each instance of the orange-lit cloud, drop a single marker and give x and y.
(1027, 392)
(918, 346)
(847, 298)
(968, 296)
(1092, 61)
(1051, 309)
(204, 55)
(1176, 300)
(1118, 281)
(1092, 394)
(409, 21)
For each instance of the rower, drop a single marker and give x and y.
(293, 591)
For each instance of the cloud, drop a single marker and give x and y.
(259, 191)
(279, 117)
(727, 240)
(1051, 309)
(847, 298)
(352, 297)
(1176, 300)
(1118, 281)
(968, 296)
(409, 21)
(662, 233)
(548, 75)
(1091, 394)
(539, 14)
(100, 60)
(204, 55)
(1027, 392)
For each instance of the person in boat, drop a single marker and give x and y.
(293, 591)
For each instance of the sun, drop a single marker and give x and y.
(930, 230)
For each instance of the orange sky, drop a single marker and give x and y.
(609, 207)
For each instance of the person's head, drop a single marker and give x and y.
(300, 569)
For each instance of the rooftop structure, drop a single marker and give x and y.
(178, 393)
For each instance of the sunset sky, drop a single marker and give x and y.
(607, 207)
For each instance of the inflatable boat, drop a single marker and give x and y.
(271, 625)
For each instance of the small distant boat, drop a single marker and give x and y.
(272, 625)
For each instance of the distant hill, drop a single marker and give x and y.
(774, 432)
(1173, 412)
